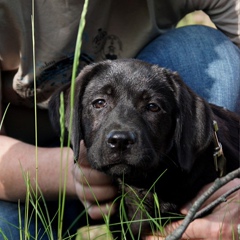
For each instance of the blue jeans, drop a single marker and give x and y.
(205, 58)
(207, 61)
(10, 227)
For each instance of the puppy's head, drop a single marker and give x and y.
(132, 115)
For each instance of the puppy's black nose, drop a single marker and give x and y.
(121, 140)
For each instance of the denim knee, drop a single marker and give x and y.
(14, 223)
(206, 60)
(10, 223)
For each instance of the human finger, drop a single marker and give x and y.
(97, 211)
(193, 232)
(93, 193)
(88, 176)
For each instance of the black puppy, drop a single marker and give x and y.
(144, 127)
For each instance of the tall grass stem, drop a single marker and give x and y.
(35, 112)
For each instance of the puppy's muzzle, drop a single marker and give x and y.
(121, 140)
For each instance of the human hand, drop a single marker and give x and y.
(221, 223)
(95, 189)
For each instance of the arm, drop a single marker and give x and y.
(223, 13)
(18, 158)
(15, 163)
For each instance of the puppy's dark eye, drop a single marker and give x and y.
(99, 103)
(153, 107)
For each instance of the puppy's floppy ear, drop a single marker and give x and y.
(194, 131)
(54, 104)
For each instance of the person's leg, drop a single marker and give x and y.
(205, 58)
(11, 227)
(10, 224)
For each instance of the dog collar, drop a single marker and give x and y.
(218, 156)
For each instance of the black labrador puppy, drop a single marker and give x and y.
(144, 127)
